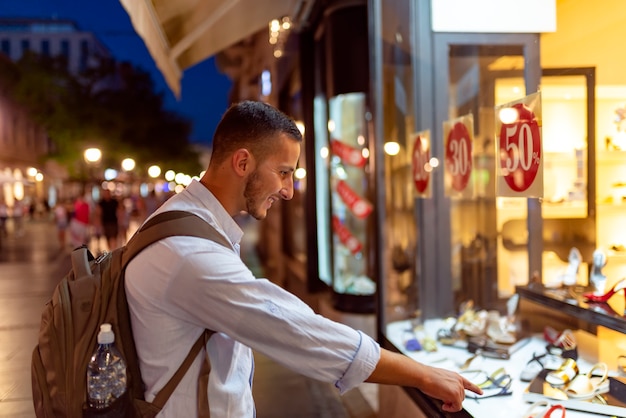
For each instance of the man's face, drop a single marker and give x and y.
(272, 178)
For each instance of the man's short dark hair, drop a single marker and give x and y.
(251, 125)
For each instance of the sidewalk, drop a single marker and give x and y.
(31, 264)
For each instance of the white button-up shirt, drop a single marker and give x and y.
(181, 285)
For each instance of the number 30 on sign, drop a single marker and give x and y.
(519, 145)
(459, 152)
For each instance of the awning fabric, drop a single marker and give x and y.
(181, 33)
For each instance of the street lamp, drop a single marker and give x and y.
(92, 155)
(128, 164)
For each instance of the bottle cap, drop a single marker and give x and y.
(106, 336)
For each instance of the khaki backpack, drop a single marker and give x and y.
(93, 293)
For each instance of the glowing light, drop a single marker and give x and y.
(110, 174)
(39, 176)
(324, 152)
(128, 164)
(92, 155)
(300, 126)
(154, 171)
(508, 115)
(170, 175)
(391, 148)
(31, 171)
(300, 173)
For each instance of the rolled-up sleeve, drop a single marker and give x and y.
(365, 361)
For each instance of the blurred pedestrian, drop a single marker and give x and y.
(17, 213)
(79, 224)
(4, 215)
(61, 221)
(148, 205)
(107, 217)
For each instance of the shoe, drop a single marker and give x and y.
(593, 297)
(543, 409)
(537, 363)
(597, 279)
(561, 344)
(571, 273)
(566, 372)
(587, 386)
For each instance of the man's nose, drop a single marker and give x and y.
(287, 191)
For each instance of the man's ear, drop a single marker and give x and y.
(242, 161)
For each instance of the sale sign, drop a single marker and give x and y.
(359, 206)
(345, 236)
(420, 163)
(349, 155)
(458, 164)
(520, 148)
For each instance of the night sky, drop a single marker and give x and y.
(204, 94)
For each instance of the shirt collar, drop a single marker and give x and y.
(207, 200)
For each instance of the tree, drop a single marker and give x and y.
(110, 105)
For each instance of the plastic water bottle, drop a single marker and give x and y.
(106, 372)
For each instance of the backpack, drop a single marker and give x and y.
(93, 293)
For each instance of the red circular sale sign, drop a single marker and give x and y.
(520, 149)
(459, 156)
(421, 157)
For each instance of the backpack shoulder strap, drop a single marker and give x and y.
(160, 226)
(171, 223)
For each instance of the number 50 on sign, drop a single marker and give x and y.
(519, 148)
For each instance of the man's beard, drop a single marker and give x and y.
(252, 193)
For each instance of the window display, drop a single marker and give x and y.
(350, 203)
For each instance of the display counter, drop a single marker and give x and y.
(519, 399)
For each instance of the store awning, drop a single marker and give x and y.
(182, 33)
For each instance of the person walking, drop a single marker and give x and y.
(107, 218)
(4, 215)
(79, 222)
(61, 221)
(180, 286)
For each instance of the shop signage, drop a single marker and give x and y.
(459, 151)
(345, 236)
(420, 162)
(357, 205)
(520, 148)
(349, 155)
(494, 16)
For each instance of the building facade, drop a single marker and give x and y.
(25, 175)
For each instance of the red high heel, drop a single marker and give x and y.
(591, 297)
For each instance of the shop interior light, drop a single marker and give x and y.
(508, 115)
(300, 173)
(391, 148)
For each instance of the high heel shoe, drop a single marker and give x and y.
(592, 297)
(597, 279)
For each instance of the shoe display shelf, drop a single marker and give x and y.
(497, 397)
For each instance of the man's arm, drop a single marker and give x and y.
(447, 386)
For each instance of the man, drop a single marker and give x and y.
(107, 218)
(181, 285)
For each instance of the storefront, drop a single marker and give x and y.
(418, 199)
(454, 239)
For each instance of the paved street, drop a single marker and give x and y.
(30, 265)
